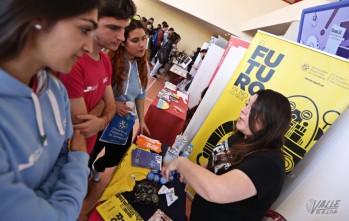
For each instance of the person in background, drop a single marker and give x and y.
(194, 68)
(160, 37)
(149, 28)
(193, 58)
(144, 21)
(43, 172)
(166, 35)
(191, 111)
(171, 48)
(245, 174)
(151, 19)
(158, 27)
(202, 54)
(88, 84)
(129, 81)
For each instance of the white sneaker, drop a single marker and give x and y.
(95, 175)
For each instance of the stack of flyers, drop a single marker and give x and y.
(143, 158)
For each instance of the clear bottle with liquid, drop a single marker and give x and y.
(175, 149)
(186, 151)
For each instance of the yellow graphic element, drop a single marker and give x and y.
(118, 208)
(118, 183)
(315, 82)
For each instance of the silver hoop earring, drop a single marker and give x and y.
(37, 26)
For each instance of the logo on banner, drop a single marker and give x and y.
(263, 71)
(323, 206)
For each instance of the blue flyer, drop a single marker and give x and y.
(146, 159)
(118, 129)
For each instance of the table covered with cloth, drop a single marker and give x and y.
(123, 181)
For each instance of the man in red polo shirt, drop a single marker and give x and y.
(89, 83)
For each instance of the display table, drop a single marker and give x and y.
(177, 74)
(165, 125)
(123, 181)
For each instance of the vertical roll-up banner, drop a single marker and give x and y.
(230, 59)
(315, 82)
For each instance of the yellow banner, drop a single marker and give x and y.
(316, 84)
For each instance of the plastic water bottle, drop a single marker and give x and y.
(173, 152)
(186, 151)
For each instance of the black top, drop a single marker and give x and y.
(267, 172)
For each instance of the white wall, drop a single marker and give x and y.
(196, 20)
(243, 17)
(192, 30)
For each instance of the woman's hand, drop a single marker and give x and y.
(144, 128)
(168, 168)
(121, 108)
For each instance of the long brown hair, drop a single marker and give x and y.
(17, 15)
(273, 111)
(117, 58)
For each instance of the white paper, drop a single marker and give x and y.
(163, 190)
(171, 198)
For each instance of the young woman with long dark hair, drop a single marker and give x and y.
(245, 173)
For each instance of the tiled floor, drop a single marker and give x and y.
(96, 189)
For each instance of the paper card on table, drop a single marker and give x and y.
(163, 190)
(162, 104)
(148, 143)
(118, 208)
(170, 86)
(183, 95)
(171, 191)
(159, 216)
(171, 198)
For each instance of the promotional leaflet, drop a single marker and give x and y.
(118, 129)
(146, 159)
(118, 208)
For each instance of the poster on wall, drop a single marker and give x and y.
(326, 27)
(312, 80)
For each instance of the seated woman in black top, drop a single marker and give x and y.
(245, 173)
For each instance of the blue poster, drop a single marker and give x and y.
(118, 129)
(326, 27)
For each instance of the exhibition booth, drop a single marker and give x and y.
(311, 71)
